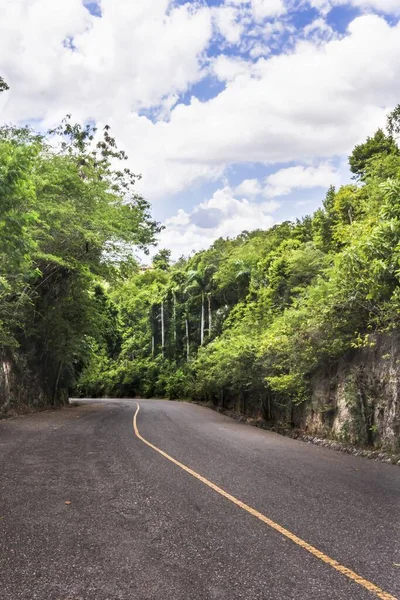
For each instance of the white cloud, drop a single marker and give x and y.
(249, 187)
(319, 30)
(227, 20)
(289, 179)
(227, 68)
(275, 28)
(259, 49)
(314, 101)
(126, 60)
(222, 215)
(300, 177)
(386, 6)
(263, 9)
(390, 7)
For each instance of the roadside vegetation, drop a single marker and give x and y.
(253, 318)
(68, 219)
(250, 319)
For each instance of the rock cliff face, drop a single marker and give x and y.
(24, 385)
(357, 400)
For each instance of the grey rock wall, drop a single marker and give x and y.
(357, 400)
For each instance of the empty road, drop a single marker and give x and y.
(177, 502)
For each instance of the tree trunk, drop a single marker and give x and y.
(162, 329)
(187, 340)
(209, 315)
(152, 346)
(269, 412)
(202, 320)
(174, 301)
(60, 366)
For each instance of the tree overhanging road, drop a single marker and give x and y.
(138, 526)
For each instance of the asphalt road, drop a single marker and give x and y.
(137, 526)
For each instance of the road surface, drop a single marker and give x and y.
(90, 511)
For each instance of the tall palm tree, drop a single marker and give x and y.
(209, 313)
(196, 283)
(157, 315)
(243, 275)
(176, 283)
(162, 330)
(201, 282)
(187, 337)
(209, 285)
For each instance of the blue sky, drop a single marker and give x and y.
(239, 114)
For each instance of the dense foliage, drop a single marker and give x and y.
(68, 221)
(253, 318)
(249, 320)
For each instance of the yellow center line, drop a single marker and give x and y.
(368, 585)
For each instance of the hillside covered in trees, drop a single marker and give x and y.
(250, 323)
(67, 218)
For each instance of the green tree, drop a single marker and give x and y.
(393, 122)
(162, 259)
(68, 217)
(283, 304)
(363, 153)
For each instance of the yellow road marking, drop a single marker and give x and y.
(368, 585)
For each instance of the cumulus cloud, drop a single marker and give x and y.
(317, 101)
(227, 68)
(223, 215)
(319, 31)
(391, 7)
(57, 55)
(300, 177)
(386, 6)
(228, 24)
(288, 179)
(131, 67)
(249, 187)
(263, 9)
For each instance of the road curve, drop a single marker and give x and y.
(89, 510)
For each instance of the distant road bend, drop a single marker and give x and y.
(114, 500)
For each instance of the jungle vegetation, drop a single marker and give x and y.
(250, 318)
(255, 317)
(68, 220)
